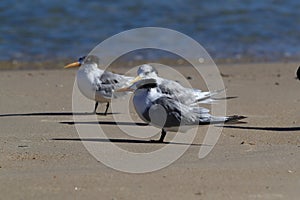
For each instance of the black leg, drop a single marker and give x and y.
(96, 106)
(107, 106)
(162, 137)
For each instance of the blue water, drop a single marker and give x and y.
(36, 30)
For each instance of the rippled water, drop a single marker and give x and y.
(227, 29)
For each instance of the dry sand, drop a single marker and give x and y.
(257, 160)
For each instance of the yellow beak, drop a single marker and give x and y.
(74, 64)
(126, 89)
(136, 79)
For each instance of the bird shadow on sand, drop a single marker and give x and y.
(225, 98)
(106, 123)
(129, 141)
(265, 128)
(134, 141)
(51, 114)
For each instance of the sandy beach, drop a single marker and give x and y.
(42, 156)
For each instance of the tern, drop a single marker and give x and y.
(189, 96)
(97, 84)
(168, 113)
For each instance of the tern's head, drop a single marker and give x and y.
(147, 71)
(90, 59)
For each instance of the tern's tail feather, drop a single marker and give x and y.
(234, 119)
(206, 97)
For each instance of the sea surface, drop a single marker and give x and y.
(43, 29)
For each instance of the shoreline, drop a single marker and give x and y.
(59, 63)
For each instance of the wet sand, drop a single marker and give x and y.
(43, 158)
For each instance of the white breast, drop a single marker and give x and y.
(87, 80)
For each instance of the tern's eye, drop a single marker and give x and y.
(81, 59)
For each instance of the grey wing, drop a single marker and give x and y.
(110, 82)
(105, 90)
(188, 96)
(115, 79)
(167, 112)
(177, 91)
(169, 87)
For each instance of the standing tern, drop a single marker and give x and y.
(168, 113)
(97, 84)
(189, 96)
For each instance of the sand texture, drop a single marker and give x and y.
(42, 157)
